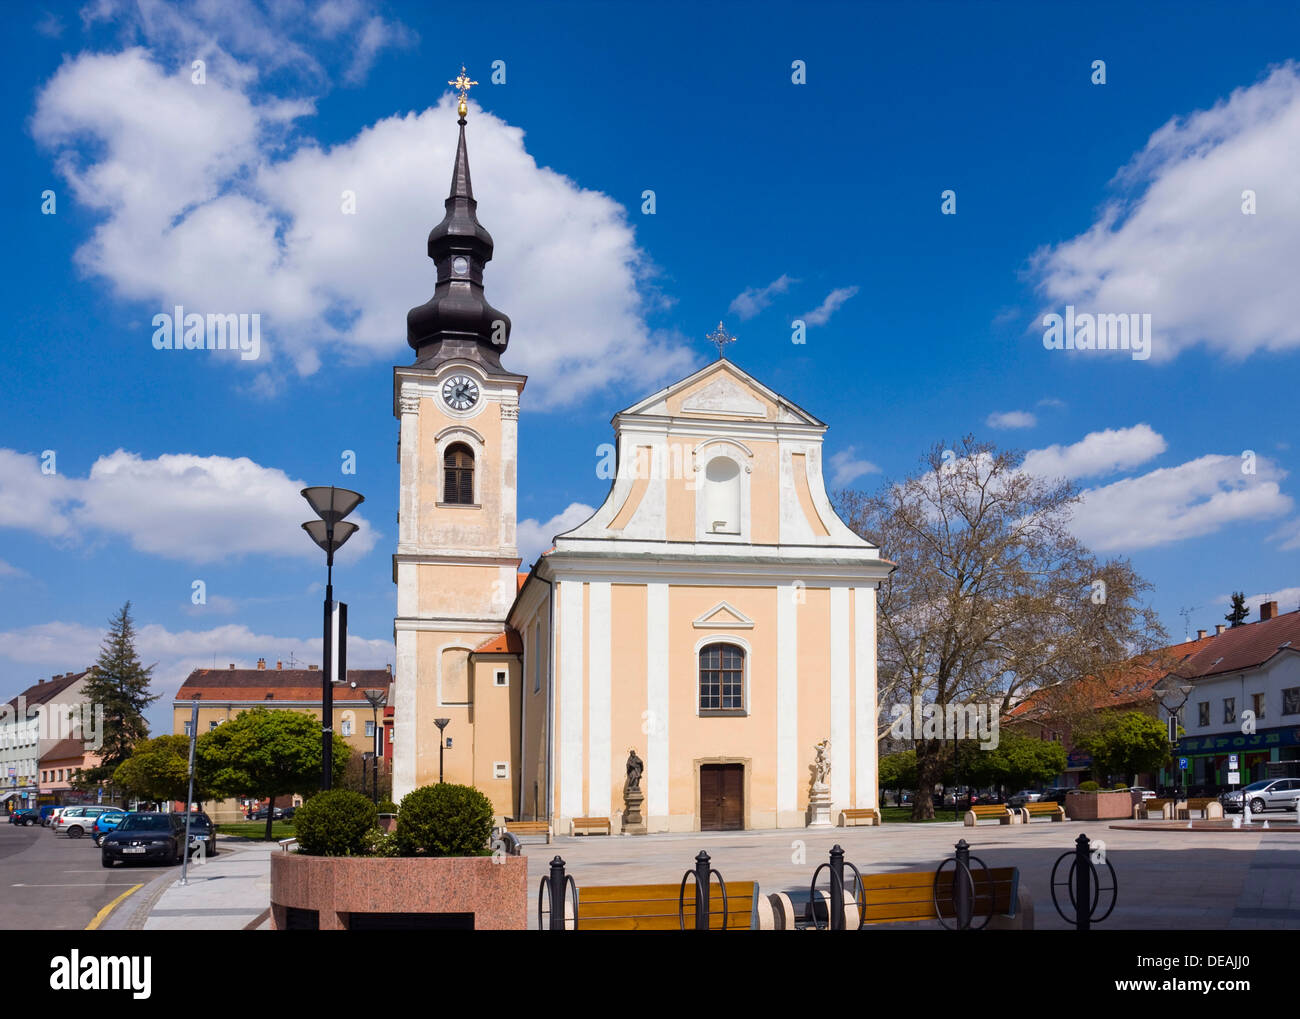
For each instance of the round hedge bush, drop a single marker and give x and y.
(335, 823)
(1089, 787)
(444, 820)
(387, 807)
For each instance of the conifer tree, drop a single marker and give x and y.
(121, 684)
(1239, 612)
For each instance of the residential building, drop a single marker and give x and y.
(32, 723)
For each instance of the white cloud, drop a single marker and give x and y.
(755, 299)
(210, 200)
(1012, 419)
(1287, 598)
(534, 537)
(820, 315)
(179, 506)
(70, 647)
(10, 570)
(1097, 453)
(846, 468)
(1177, 503)
(1177, 245)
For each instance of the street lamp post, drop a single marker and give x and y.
(377, 699)
(1173, 690)
(330, 532)
(441, 723)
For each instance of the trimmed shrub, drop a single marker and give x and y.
(1122, 786)
(444, 820)
(1089, 787)
(381, 843)
(335, 823)
(387, 807)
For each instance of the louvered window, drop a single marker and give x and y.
(458, 464)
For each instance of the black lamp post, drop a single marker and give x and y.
(441, 723)
(377, 699)
(1172, 690)
(330, 532)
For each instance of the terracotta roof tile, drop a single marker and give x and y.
(507, 643)
(284, 684)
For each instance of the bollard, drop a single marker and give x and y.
(1082, 883)
(557, 894)
(702, 870)
(837, 888)
(964, 885)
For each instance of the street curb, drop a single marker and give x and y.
(149, 897)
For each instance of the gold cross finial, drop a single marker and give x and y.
(462, 84)
(721, 338)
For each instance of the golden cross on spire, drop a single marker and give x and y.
(721, 338)
(462, 84)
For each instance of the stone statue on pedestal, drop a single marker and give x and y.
(819, 797)
(633, 797)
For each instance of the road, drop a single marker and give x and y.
(50, 882)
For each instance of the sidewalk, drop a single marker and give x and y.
(226, 892)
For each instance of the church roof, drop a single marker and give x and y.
(507, 643)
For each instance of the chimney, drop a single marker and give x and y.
(1219, 628)
(311, 668)
(261, 664)
(232, 665)
(1200, 634)
(1267, 611)
(279, 666)
(390, 668)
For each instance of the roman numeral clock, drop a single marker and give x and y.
(460, 392)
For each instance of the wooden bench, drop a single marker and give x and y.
(909, 898)
(990, 812)
(591, 826)
(1046, 808)
(1208, 807)
(1146, 808)
(523, 828)
(852, 817)
(655, 908)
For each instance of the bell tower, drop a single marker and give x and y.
(456, 561)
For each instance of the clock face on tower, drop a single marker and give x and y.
(460, 392)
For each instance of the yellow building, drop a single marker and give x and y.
(224, 693)
(714, 615)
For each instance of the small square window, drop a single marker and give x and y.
(1203, 714)
(1229, 709)
(501, 769)
(503, 677)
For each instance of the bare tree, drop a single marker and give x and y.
(993, 596)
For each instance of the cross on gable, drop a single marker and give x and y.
(720, 338)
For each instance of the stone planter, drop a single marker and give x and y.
(1098, 806)
(353, 893)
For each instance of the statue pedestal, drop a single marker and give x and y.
(633, 823)
(819, 806)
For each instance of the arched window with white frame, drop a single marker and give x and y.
(722, 679)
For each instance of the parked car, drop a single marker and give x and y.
(202, 831)
(48, 819)
(24, 817)
(145, 835)
(1147, 794)
(287, 813)
(105, 823)
(260, 815)
(1053, 794)
(1266, 794)
(1024, 796)
(75, 822)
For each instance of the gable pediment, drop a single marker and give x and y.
(722, 390)
(723, 616)
(723, 396)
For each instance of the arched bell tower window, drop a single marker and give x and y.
(458, 474)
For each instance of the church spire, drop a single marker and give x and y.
(457, 321)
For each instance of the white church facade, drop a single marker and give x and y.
(714, 619)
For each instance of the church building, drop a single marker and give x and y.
(692, 643)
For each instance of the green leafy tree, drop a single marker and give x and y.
(265, 754)
(159, 769)
(120, 684)
(1126, 743)
(1238, 613)
(1016, 762)
(898, 771)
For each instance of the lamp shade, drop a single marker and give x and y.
(319, 534)
(376, 697)
(332, 504)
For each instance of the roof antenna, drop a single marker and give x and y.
(1186, 612)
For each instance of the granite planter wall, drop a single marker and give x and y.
(349, 892)
(1098, 806)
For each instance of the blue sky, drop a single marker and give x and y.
(774, 201)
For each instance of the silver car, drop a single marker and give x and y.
(1267, 794)
(75, 822)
